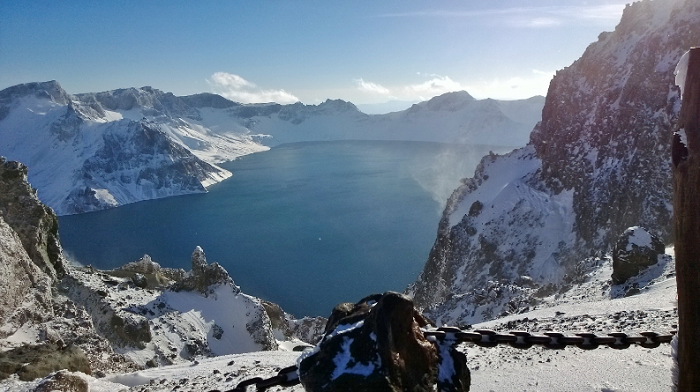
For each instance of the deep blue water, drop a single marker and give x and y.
(305, 225)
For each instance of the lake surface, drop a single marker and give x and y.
(305, 225)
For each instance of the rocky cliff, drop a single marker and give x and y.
(598, 162)
(40, 331)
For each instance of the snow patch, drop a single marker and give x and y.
(639, 237)
(343, 360)
(681, 71)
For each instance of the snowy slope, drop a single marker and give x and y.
(587, 307)
(84, 157)
(527, 223)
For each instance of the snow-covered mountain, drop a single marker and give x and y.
(525, 225)
(449, 118)
(93, 151)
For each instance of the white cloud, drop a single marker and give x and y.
(436, 86)
(540, 22)
(370, 87)
(516, 87)
(534, 17)
(237, 89)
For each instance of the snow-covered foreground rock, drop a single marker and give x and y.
(93, 151)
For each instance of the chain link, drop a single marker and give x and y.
(288, 376)
(551, 340)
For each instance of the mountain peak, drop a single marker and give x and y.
(338, 105)
(48, 90)
(449, 101)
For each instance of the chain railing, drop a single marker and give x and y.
(289, 376)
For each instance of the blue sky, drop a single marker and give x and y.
(252, 51)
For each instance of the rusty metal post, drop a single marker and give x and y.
(686, 209)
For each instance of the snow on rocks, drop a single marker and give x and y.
(202, 314)
(635, 250)
(595, 165)
(64, 380)
(498, 243)
(681, 71)
(588, 306)
(85, 157)
(378, 344)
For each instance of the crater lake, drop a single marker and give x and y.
(305, 225)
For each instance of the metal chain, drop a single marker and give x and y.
(288, 376)
(552, 340)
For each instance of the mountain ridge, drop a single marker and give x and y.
(92, 151)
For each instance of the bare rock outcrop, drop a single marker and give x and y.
(203, 276)
(598, 163)
(285, 326)
(635, 250)
(146, 273)
(35, 224)
(25, 290)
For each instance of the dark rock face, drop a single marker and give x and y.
(636, 250)
(607, 123)
(138, 155)
(35, 223)
(131, 329)
(375, 345)
(601, 155)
